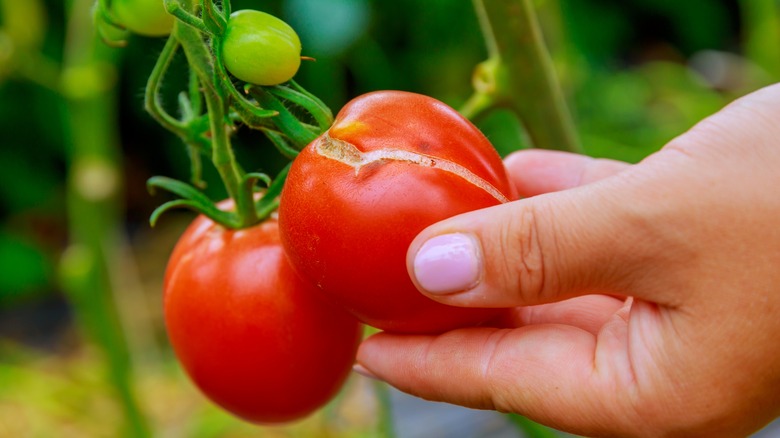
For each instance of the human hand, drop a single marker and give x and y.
(651, 292)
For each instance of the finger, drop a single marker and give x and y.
(588, 313)
(549, 373)
(536, 171)
(627, 234)
(598, 238)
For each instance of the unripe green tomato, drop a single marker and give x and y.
(144, 17)
(260, 49)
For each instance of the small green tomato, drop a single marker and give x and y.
(260, 49)
(144, 17)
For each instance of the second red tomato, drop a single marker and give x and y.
(253, 336)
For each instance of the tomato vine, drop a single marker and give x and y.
(213, 107)
(222, 96)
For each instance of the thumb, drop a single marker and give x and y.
(591, 239)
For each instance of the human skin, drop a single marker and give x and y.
(650, 293)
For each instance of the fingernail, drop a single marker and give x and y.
(448, 263)
(363, 371)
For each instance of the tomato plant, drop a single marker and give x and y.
(252, 335)
(392, 164)
(144, 17)
(260, 49)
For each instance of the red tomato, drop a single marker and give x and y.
(392, 164)
(253, 336)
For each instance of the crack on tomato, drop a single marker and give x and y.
(347, 153)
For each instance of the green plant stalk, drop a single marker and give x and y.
(761, 24)
(152, 102)
(519, 75)
(93, 188)
(199, 59)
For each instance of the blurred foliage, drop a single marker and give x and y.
(63, 396)
(637, 73)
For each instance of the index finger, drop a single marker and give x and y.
(535, 171)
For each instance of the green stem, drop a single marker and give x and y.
(196, 100)
(182, 12)
(200, 60)
(152, 96)
(212, 17)
(477, 105)
(93, 200)
(253, 116)
(519, 74)
(190, 104)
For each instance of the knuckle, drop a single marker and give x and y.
(522, 251)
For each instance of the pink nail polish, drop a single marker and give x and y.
(448, 263)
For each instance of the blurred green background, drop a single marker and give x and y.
(636, 73)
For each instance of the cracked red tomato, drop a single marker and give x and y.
(392, 164)
(253, 336)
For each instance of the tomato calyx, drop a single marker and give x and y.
(347, 153)
(264, 205)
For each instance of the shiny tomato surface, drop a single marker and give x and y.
(392, 164)
(253, 336)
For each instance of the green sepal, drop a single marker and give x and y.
(309, 95)
(251, 115)
(280, 141)
(101, 19)
(270, 200)
(250, 179)
(285, 121)
(321, 113)
(193, 199)
(103, 12)
(170, 205)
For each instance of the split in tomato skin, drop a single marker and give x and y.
(254, 337)
(260, 49)
(392, 164)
